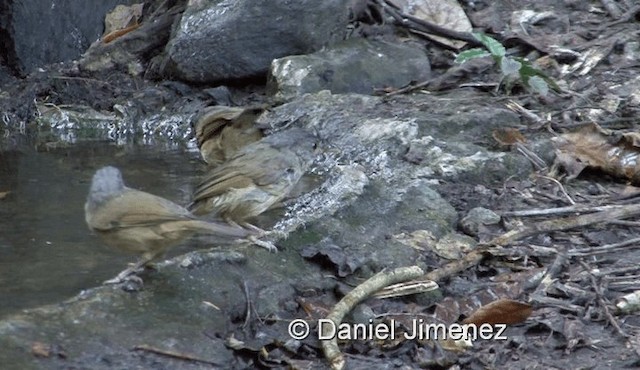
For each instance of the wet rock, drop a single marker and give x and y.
(356, 65)
(227, 40)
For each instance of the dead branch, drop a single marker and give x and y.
(567, 223)
(607, 248)
(357, 295)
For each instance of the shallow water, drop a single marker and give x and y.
(47, 253)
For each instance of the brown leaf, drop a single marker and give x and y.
(3, 194)
(609, 151)
(502, 311)
(313, 307)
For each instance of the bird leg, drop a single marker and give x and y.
(255, 239)
(262, 243)
(129, 273)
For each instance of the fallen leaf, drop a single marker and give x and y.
(444, 13)
(502, 311)
(612, 152)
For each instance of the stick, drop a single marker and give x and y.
(358, 294)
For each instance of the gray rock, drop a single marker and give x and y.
(226, 40)
(476, 218)
(356, 65)
(36, 33)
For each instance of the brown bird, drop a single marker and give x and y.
(143, 223)
(255, 178)
(221, 131)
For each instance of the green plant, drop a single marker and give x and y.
(512, 68)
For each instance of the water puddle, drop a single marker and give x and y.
(47, 253)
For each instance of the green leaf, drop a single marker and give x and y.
(494, 46)
(539, 85)
(529, 71)
(509, 66)
(470, 54)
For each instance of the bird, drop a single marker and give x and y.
(255, 178)
(139, 222)
(221, 131)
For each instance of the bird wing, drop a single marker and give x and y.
(260, 165)
(135, 208)
(213, 119)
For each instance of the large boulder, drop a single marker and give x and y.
(227, 40)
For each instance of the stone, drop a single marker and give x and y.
(355, 65)
(227, 40)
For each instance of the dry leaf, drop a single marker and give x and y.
(444, 13)
(313, 307)
(502, 311)
(3, 194)
(122, 17)
(122, 20)
(612, 152)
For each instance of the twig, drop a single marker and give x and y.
(424, 26)
(539, 301)
(552, 272)
(173, 354)
(616, 271)
(358, 294)
(555, 198)
(567, 223)
(564, 192)
(559, 210)
(527, 114)
(583, 252)
(247, 316)
(408, 88)
(626, 223)
(601, 301)
(626, 17)
(537, 162)
(625, 286)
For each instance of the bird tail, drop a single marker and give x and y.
(220, 229)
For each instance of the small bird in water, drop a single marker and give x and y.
(255, 178)
(143, 223)
(221, 131)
